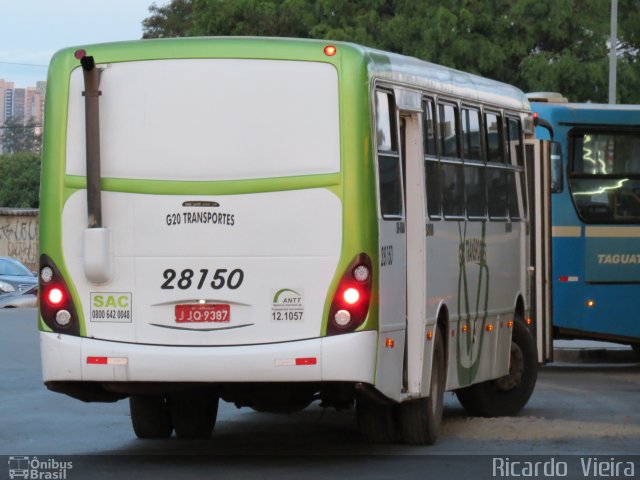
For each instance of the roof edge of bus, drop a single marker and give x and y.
(381, 61)
(209, 39)
(586, 107)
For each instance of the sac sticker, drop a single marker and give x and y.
(287, 305)
(111, 307)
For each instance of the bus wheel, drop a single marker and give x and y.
(194, 412)
(509, 394)
(420, 419)
(150, 416)
(376, 422)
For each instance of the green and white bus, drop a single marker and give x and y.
(275, 221)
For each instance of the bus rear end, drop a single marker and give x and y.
(595, 213)
(220, 256)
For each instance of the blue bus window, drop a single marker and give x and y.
(556, 167)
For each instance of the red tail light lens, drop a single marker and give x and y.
(350, 304)
(56, 304)
(55, 297)
(351, 296)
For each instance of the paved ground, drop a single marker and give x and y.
(576, 409)
(589, 351)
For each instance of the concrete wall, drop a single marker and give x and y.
(19, 235)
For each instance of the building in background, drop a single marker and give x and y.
(6, 100)
(24, 105)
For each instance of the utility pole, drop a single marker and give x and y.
(613, 52)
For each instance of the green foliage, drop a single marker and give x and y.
(172, 20)
(288, 18)
(16, 136)
(19, 180)
(551, 45)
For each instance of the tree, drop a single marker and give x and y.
(557, 45)
(19, 180)
(173, 20)
(19, 137)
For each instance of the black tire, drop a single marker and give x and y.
(150, 416)
(377, 422)
(194, 413)
(507, 395)
(636, 349)
(420, 419)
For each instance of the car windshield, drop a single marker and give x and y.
(8, 266)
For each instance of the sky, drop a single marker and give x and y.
(31, 31)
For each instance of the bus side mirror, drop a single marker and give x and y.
(541, 122)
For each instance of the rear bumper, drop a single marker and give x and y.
(347, 358)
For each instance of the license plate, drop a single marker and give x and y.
(220, 313)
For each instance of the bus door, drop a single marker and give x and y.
(402, 249)
(392, 285)
(538, 172)
(418, 351)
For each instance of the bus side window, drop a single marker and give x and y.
(497, 188)
(448, 126)
(514, 135)
(385, 122)
(433, 178)
(493, 137)
(389, 174)
(474, 175)
(512, 179)
(476, 191)
(452, 174)
(471, 134)
(430, 145)
(515, 154)
(496, 173)
(452, 190)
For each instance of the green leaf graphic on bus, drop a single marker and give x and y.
(280, 298)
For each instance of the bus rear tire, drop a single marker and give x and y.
(420, 419)
(377, 422)
(150, 416)
(194, 413)
(507, 395)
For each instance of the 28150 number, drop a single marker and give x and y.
(188, 278)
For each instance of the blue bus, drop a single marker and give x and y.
(595, 216)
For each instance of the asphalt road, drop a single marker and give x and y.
(584, 410)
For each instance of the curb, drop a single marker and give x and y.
(595, 355)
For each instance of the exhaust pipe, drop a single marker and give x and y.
(97, 239)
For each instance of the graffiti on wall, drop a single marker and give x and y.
(19, 238)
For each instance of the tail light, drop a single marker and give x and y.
(351, 300)
(56, 305)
